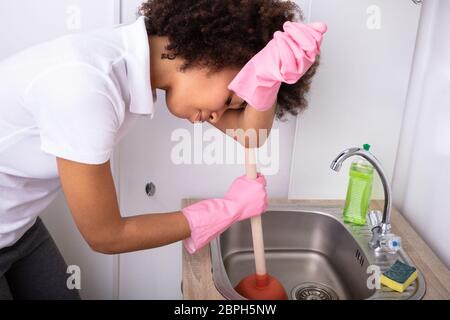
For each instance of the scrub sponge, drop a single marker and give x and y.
(399, 276)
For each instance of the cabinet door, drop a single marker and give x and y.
(28, 22)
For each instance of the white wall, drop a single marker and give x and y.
(422, 171)
(28, 22)
(358, 95)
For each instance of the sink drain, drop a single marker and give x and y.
(313, 291)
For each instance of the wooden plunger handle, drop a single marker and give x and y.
(257, 232)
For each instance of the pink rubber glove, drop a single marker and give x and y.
(208, 218)
(286, 58)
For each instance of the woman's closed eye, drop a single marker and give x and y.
(235, 106)
(230, 104)
(241, 106)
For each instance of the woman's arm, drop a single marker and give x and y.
(247, 118)
(91, 196)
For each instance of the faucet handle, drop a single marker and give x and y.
(375, 217)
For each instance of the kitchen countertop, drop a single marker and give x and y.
(197, 269)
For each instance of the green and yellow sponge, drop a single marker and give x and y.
(399, 276)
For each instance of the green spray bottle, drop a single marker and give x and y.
(359, 191)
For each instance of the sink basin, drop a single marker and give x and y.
(312, 253)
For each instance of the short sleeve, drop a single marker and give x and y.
(75, 113)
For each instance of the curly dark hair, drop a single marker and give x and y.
(226, 33)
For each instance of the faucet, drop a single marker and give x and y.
(383, 228)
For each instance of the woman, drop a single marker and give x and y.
(65, 103)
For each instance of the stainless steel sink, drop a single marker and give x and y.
(312, 253)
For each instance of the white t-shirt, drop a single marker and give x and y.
(74, 97)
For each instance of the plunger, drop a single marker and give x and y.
(261, 285)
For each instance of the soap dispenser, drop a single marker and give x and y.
(359, 190)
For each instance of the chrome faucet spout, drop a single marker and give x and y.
(336, 165)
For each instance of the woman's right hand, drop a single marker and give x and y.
(249, 194)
